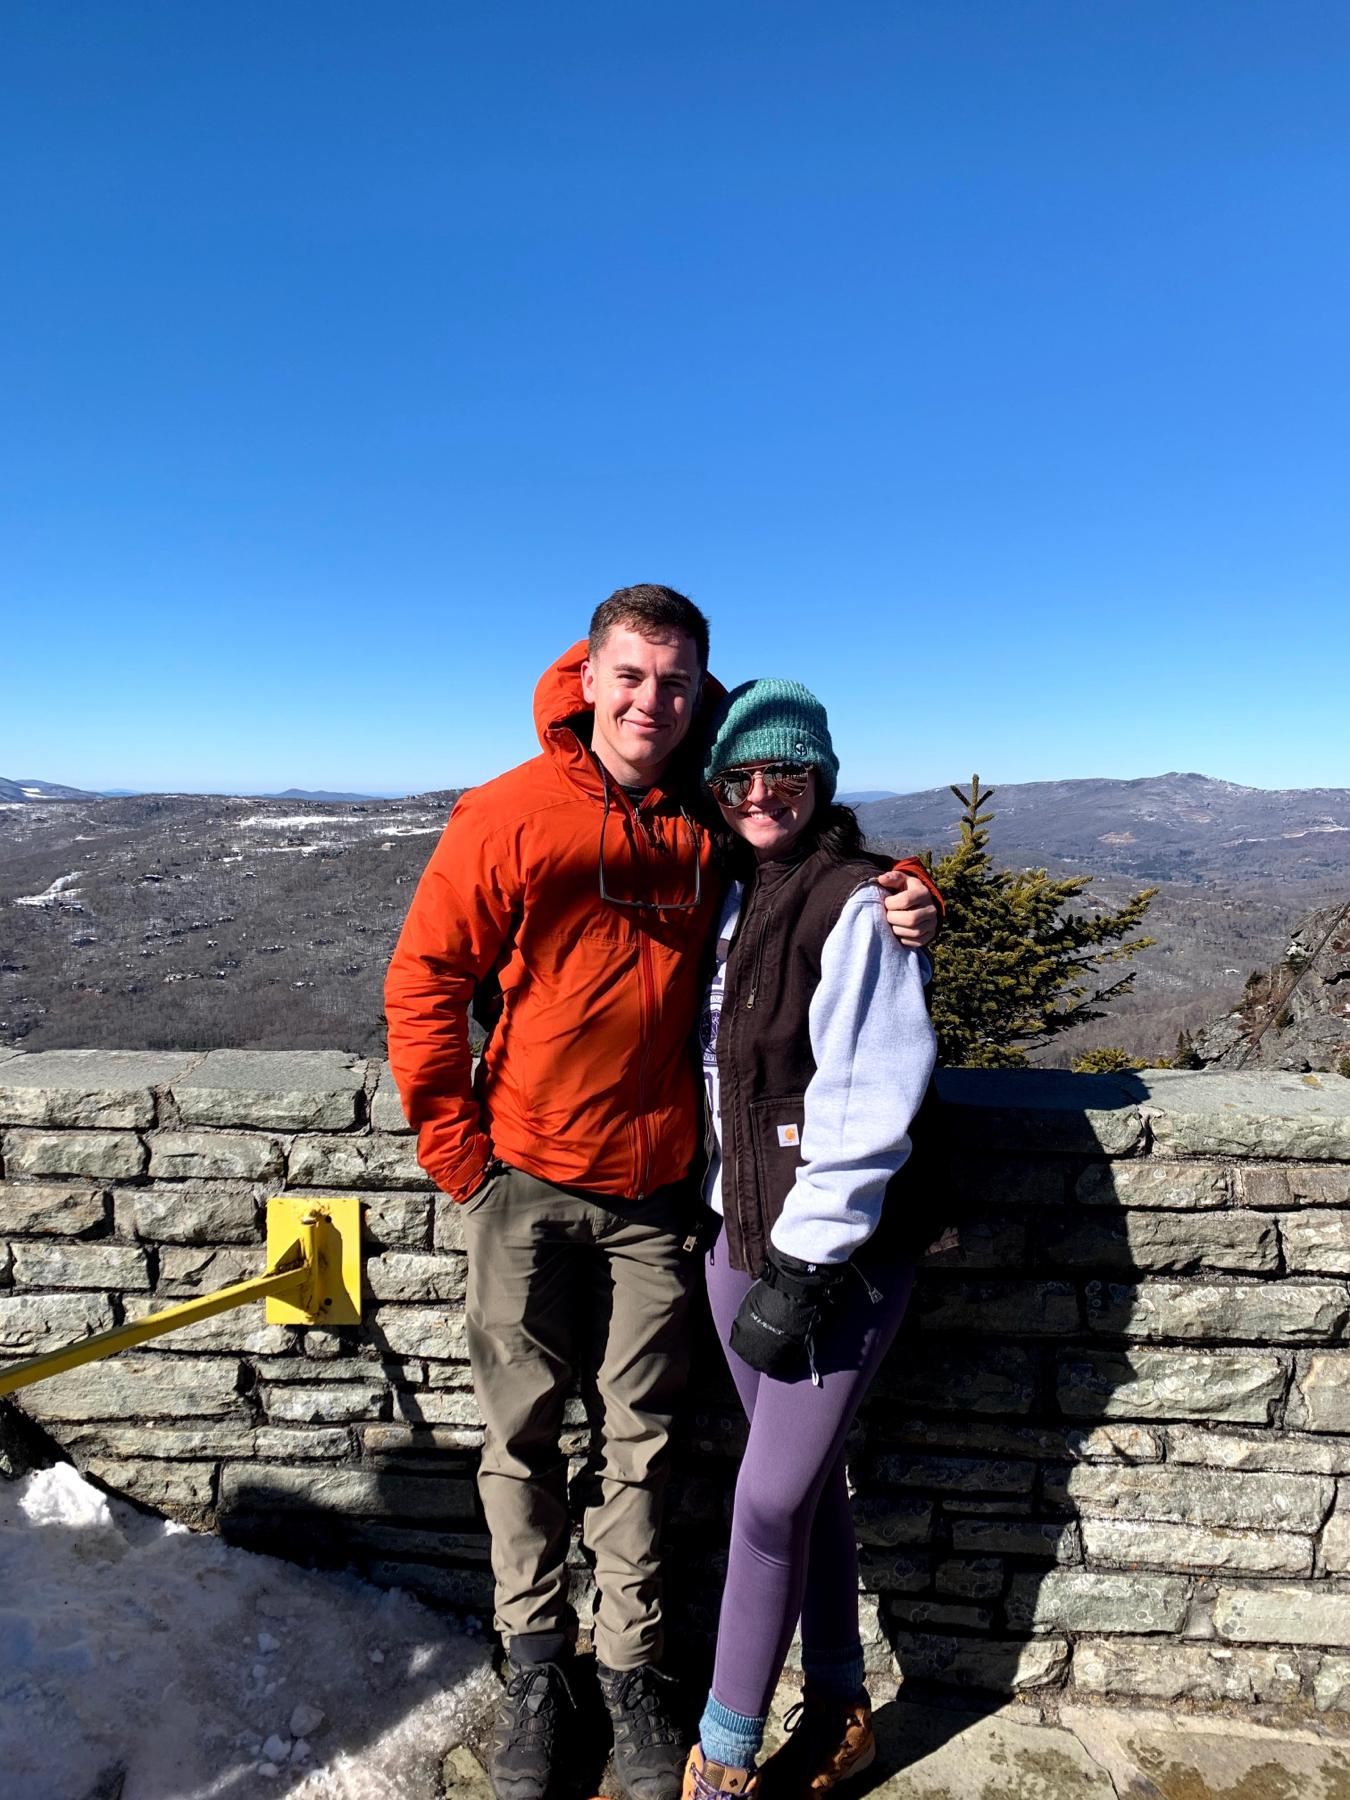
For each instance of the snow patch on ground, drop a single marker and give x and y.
(286, 821)
(294, 849)
(132, 1647)
(55, 895)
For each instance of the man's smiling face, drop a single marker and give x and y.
(644, 691)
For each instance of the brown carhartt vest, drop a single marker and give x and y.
(764, 1062)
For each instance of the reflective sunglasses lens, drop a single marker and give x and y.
(731, 787)
(788, 780)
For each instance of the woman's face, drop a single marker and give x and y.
(777, 806)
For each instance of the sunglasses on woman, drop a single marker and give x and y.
(785, 780)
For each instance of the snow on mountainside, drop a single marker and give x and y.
(19, 793)
(182, 921)
(1175, 827)
(179, 920)
(22, 793)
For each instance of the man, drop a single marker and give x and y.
(579, 890)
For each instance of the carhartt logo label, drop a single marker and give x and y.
(788, 1135)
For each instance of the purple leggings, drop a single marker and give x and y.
(793, 1552)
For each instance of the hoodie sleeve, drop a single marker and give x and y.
(874, 1051)
(460, 918)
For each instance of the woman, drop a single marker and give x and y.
(817, 1053)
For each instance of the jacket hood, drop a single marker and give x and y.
(562, 720)
(557, 695)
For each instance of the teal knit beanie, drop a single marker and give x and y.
(772, 721)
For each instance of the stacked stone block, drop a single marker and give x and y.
(1111, 1449)
(134, 1181)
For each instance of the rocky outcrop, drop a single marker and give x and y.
(1297, 1015)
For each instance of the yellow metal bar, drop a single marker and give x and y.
(313, 1278)
(309, 1261)
(329, 1232)
(291, 1283)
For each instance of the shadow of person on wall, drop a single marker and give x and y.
(1002, 1384)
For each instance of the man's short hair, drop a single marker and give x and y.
(648, 608)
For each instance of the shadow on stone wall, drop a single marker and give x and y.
(1006, 1379)
(1002, 1382)
(1063, 1468)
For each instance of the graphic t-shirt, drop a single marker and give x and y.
(712, 1018)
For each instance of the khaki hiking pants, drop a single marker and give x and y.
(565, 1291)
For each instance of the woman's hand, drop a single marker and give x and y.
(911, 911)
(775, 1322)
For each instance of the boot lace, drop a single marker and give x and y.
(535, 1689)
(814, 1727)
(638, 1700)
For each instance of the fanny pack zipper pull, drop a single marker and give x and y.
(873, 1293)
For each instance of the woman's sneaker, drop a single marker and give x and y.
(830, 1740)
(715, 1781)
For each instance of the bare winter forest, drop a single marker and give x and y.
(190, 922)
(186, 922)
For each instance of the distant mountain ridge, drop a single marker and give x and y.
(324, 797)
(174, 920)
(25, 792)
(22, 792)
(1174, 827)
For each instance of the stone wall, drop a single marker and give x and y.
(1110, 1450)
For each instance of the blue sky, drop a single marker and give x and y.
(984, 365)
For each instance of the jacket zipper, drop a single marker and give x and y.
(759, 953)
(646, 1003)
(645, 993)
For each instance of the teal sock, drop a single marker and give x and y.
(728, 1737)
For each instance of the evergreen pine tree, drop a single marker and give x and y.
(1015, 965)
(1106, 1059)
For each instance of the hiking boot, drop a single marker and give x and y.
(716, 1781)
(648, 1744)
(523, 1755)
(830, 1740)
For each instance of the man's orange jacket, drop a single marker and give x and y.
(588, 1079)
